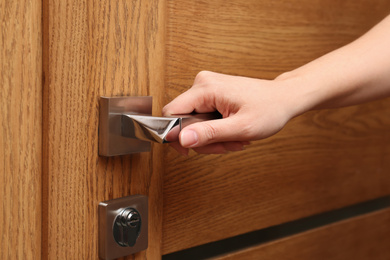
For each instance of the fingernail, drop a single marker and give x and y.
(188, 138)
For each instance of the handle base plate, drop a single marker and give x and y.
(111, 141)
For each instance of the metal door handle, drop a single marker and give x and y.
(126, 125)
(159, 129)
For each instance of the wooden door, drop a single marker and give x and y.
(54, 69)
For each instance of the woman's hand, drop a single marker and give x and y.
(252, 109)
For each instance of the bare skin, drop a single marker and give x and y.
(254, 109)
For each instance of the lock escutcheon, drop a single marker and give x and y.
(123, 226)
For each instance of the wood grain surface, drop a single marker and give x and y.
(320, 161)
(21, 130)
(360, 238)
(91, 49)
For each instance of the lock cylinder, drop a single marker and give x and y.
(127, 227)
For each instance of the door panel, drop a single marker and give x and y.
(319, 162)
(91, 49)
(21, 129)
(364, 237)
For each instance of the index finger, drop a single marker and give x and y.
(196, 99)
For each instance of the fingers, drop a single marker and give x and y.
(200, 98)
(211, 148)
(173, 134)
(215, 148)
(216, 92)
(233, 128)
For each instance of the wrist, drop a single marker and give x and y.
(299, 95)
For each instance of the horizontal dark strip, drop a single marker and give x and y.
(277, 232)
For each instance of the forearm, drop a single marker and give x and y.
(356, 73)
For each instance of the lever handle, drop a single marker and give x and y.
(160, 129)
(126, 125)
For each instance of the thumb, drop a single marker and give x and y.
(213, 131)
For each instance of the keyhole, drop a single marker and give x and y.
(133, 219)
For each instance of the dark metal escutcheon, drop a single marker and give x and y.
(123, 226)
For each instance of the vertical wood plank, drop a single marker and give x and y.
(96, 48)
(20, 135)
(65, 211)
(150, 181)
